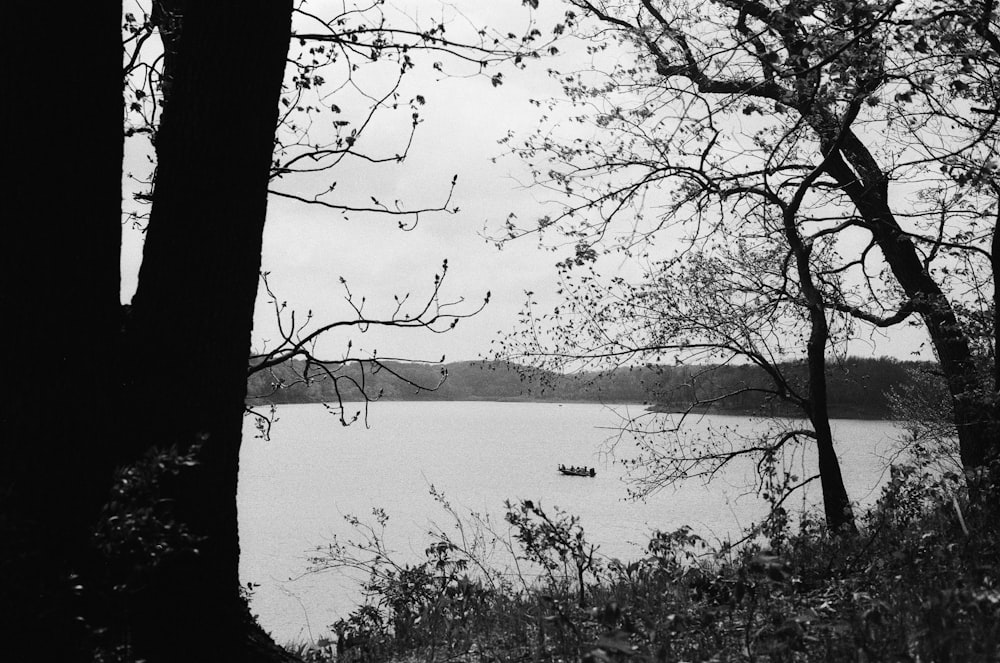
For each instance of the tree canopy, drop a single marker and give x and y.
(784, 178)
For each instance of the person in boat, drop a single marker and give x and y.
(592, 472)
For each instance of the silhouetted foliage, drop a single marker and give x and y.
(917, 582)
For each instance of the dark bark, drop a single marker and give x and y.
(868, 190)
(995, 264)
(168, 17)
(836, 503)
(75, 411)
(189, 328)
(62, 237)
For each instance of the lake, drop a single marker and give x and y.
(296, 488)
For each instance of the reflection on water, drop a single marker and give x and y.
(296, 488)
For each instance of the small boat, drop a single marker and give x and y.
(574, 471)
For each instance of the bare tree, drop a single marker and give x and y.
(295, 349)
(168, 373)
(346, 77)
(187, 335)
(206, 223)
(879, 119)
(346, 72)
(735, 300)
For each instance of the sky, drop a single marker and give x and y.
(308, 249)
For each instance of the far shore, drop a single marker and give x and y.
(836, 411)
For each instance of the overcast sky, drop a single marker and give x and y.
(307, 249)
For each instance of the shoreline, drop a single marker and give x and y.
(836, 412)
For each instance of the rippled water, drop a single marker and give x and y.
(296, 488)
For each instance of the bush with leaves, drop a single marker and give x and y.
(137, 527)
(556, 543)
(919, 581)
(137, 532)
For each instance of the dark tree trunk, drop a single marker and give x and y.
(995, 264)
(189, 328)
(867, 186)
(836, 503)
(73, 411)
(60, 304)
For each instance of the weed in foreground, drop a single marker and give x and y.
(921, 582)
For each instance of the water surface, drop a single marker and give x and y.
(296, 488)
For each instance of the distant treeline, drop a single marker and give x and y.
(858, 388)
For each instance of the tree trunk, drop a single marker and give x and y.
(836, 503)
(867, 187)
(60, 303)
(190, 324)
(995, 264)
